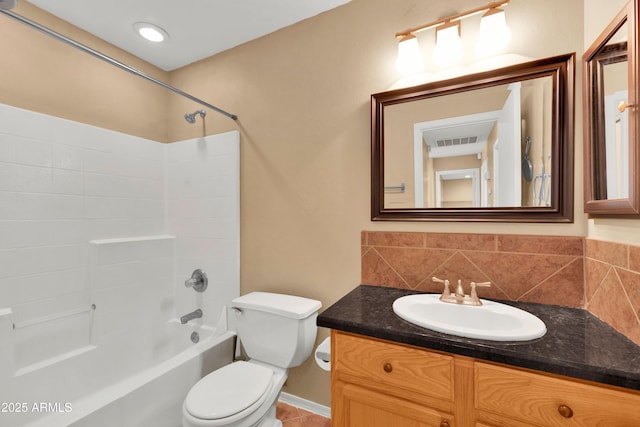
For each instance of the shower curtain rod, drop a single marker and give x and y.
(110, 60)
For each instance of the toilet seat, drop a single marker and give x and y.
(228, 391)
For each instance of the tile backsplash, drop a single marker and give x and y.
(612, 285)
(601, 276)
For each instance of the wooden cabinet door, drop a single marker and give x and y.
(526, 398)
(355, 406)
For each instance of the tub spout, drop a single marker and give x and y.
(190, 316)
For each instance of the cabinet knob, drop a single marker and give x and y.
(444, 423)
(387, 367)
(565, 411)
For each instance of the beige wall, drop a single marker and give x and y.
(597, 15)
(457, 193)
(302, 95)
(44, 75)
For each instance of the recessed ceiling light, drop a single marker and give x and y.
(151, 32)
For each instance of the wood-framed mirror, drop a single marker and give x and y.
(610, 118)
(496, 146)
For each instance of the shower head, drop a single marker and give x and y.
(191, 117)
(8, 4)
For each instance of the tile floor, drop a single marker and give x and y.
(292, 416)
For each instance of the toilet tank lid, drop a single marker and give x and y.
(280, 304)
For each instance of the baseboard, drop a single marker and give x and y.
(305, 404)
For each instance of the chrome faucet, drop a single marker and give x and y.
(190, 316)
(459, 297)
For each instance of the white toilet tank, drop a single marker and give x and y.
(276, 329)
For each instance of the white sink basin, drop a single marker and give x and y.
(491, 321)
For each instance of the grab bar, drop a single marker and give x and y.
(56, 316)
(395, 187)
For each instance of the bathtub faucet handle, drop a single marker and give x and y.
(198, 281)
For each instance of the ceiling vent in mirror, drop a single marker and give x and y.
(457, 141)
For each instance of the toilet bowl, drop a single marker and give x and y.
(236, 395)
(277, 332)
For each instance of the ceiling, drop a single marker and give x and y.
(197, 28)
(458, 136)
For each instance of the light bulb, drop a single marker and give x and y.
(449, 49)
(494, 33)
(409, 59)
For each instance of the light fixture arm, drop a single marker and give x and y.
(471, 12)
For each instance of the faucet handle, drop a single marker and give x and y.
(198, 281)
(482, 284)
(474, 293)
(446, 292)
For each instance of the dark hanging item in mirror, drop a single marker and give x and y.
(460, 146)
(611, 156)
(527, 167)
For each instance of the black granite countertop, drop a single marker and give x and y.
(577, 344)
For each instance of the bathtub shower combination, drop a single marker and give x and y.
(100, 231)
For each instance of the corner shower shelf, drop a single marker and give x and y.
(52, 317)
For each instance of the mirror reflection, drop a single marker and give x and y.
(490, 147)
(612, 83)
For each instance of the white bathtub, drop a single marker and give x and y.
(150, 398)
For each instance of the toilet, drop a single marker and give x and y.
(277, 332)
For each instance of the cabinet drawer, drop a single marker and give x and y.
(548, 401)
(408, 370)
(366, 408)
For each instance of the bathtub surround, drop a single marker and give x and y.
(602, 277)
(99, 232)
(202, 198)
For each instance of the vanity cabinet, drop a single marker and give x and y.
(376, 383)
(380, 384)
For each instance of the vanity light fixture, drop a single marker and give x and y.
(151, 32)
(494, 36)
